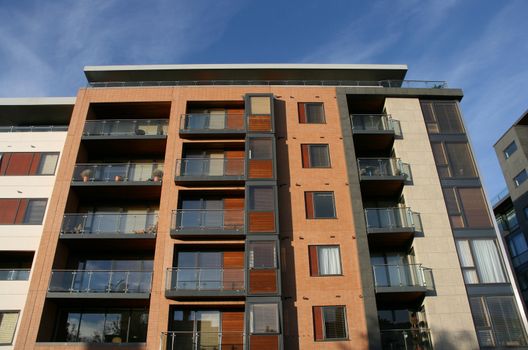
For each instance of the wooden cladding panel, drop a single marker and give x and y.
(263, 342)
(261, 221)
(318, 322)
(263, 281)
(35, 163)
(234, 162)
(233, 213)
(302, 112)
(234, 259)
(232, 330)
(259, 123)
(235, 119)
(314, 263)
(305, 152)
(308, 199)
(260, 169)
(4, 162)
(21, 211)
(233, 274)
(8, 211)
(19, 164)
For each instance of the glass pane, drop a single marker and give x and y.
(264, 318)
(508, 151)
(91, 328)
(460, 160)
(324, 205)
(137, 331)
(72, 326)
(48, 164)
(475, 207)
(520, 178)
(260, 149)
(260, 105)
(464, 253)
(505, 321)
(314, 113)
(262, 255)
(35, 211)
(8, 321)
(329, 260)
(334, 322)
(488, 261)
(319, 156)
(113, 328)
(261, 198)
(447, 116)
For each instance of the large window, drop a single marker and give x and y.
(508, 151)
(315, 156)
(442, 117)
(320, 205)
(497, 321)
(16, 211)
(325, 260)
(260, 105)
(480, 261)
(262, 255)
(330, 323)
(261, 198)
(25, 163)
(8, 322)
(517, 244)
(264, 318)
(453, 160)
(311, 113)
(467, 207)
(260, 148)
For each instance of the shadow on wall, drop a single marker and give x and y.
(449, 341)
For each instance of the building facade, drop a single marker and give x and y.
(267, 207)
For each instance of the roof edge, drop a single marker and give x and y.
(37, 101)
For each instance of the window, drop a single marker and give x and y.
(16, 211)
(315, 156)
(261, 198)
(319, 205)
(480, 261)
(262, 255)
(508, 151)
(467, 207)
(453, 160)
(330, 322)
(311, 113)
(260, 105)
(8, 322)
(520, 178)
(25, 163)
(264, 318)
(260, 148)
(324, 260)
(442, 117)
(517, 244)
(497, 321)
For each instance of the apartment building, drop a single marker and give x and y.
(268, 207)
(32, 135)
(511, 206)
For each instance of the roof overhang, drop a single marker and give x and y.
(36, 111)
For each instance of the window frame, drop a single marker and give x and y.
(313, 194)
(323, 322)
(308, 147)
(252, 319)
(316, 248)
(303, 106)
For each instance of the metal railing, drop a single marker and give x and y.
(14, 274)
(213, 122)
(175, 340)
(118, 223)
(402, 275)
(423, 84)
(373, 167)
(117, 172)
(392, 218)
(126, 127)
(102, 281)
(204, 279)
(208, 219)
(406, 339)
(206, 167)
(34, 128)
(375, 122)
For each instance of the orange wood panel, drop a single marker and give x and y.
(4, 162)
(8, 211)
(232, 330)
(314, 263)
(235, 119)
(318, 322)
(261, 221)
(234, 162)
(233, 213)
(35, 163)
(259, 123)
(264, 342)
(260, 169)
(19, 163)
(263, 281)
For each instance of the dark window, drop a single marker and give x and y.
(442, 117)
(264, 318)
(517, 243)
(311, 113)
(8, 322)
(508, 151)
(330, 322)
(453, 160)
(261, 198)
(22, 211)
(315, 156)
(520, 178)
(261, 148)
(35, 211)
(262, 255)
(320, 205)
(19, 164)
(467, 207)
(325, 260)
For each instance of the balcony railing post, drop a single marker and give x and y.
(127, 275)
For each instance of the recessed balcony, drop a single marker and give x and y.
(205, 222)
(210, 170)
(383, 176)
(392, 228)
(117, 174)
(403, 284)
(100, 284)
(109, 225)
(374, 133)
(205, 282)
(416, 338)
(221, 123)
(125, 128)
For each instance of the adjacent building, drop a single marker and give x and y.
(260, 207)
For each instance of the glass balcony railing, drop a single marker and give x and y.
(176, 340)
(34, 128)
(118, 172)
(212, 122)
(210, 167)
(404, 275)
(126, 127)
(208, 219)
(205, 279)
(418, 338)
(109, 223)
(374, 123)
(80, 281)
(392, 218)
(14, 274)
(378, 167)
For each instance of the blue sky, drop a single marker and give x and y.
(479, 46)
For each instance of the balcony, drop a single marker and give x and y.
(126, 128)
(204, 222)
(100, 284)
(205, 282)
(229, 124)
(391, 227)
(14, 274)
(109, 225)
(374, 133)
(117, 174)
(34, 128)
(419, 338)
(175, 340)
(383, 176)
(210, 170)
(403, 285)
